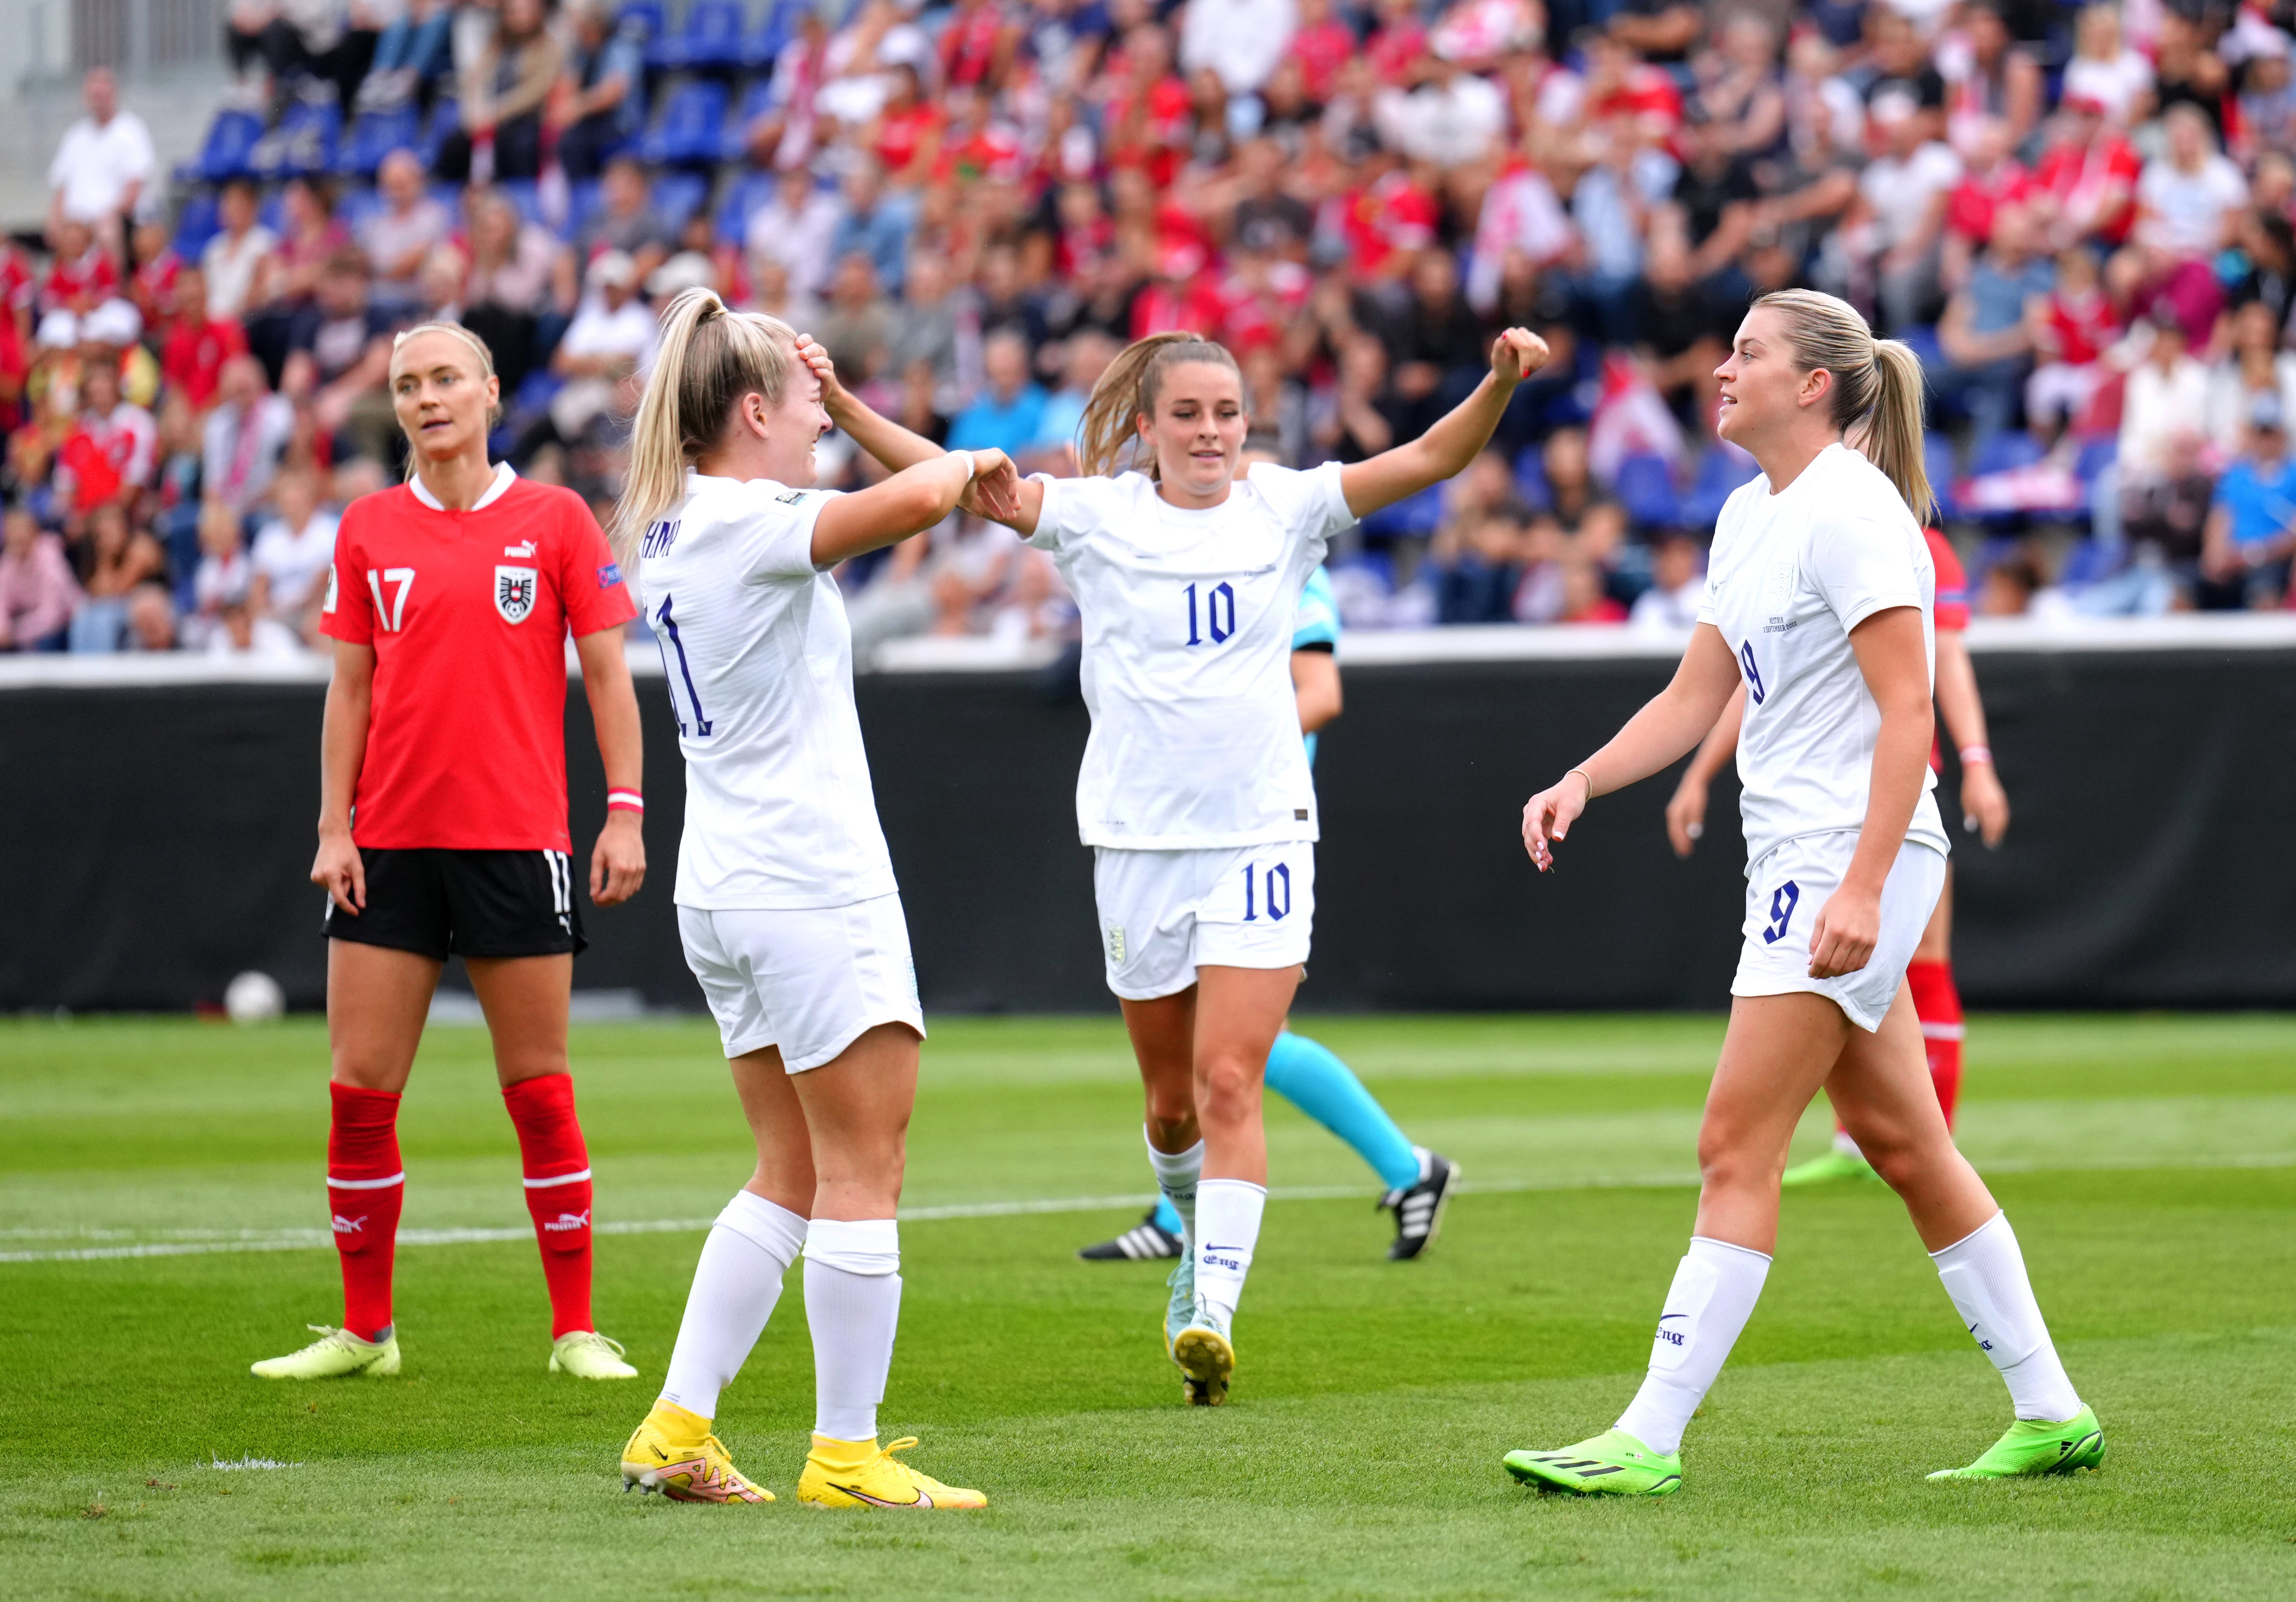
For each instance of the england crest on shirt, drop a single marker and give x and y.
(514, 592)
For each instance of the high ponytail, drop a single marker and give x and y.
(708, 358)
(1877, 388)
(1126, 392)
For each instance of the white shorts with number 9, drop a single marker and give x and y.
(1163, 914)
(1788, 886)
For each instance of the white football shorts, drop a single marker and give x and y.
(808, 979)
(1787, 887)
(1163, 914)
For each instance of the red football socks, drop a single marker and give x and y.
(365, 1186)
(1938, 1004)
(557, 1192)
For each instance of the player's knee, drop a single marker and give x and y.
(1726, 1162)
(1228, 1090)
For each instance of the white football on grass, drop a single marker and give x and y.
(254, 997)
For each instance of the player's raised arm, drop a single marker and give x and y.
(912, 501)
(1444, 451)
(1673, 721)
(997, 491)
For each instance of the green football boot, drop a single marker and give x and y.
(1612, 1464)
(1824, 1171)
(2034, 1446)
(336, 1354)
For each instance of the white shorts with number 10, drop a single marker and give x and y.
(1788, 886)
(1163, 914)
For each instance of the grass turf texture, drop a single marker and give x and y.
(2143, 1160)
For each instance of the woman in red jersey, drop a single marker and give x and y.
(442, 825)
(1985, 809)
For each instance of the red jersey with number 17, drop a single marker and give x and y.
(468, 614)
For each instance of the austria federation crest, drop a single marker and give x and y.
(514, 592)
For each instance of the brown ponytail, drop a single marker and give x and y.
(1877, 388)
(1126, 392)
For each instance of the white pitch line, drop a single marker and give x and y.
(304, 1240)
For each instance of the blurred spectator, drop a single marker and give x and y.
(150, 618)
(2254, 366)
(1677, 587)
(411, 52)
(117, 559)
(224, 577)
(1451, 119)
(399, 236)
(2009, 586)
(928, 332)
(1585, 599)
(2167, 395)
(624, 221)
(1089, 352)
(873, 226)
(241, 631)
(2252, 530)
(1990, 79)
(82, 274)
(2105, 71)
(1009, 414)
(107, 457)
(858, 324)
(1993, 178)
(1894, 236)
(510, 298)
(1241, 40)
(1658, 30)
(298, 39)
(2163, 525)
(342, 357)
(2268, 96)
(244, 435)
(2078, 324)
(294, 553)
(2186, 197)
(1588, 517)
(609, 344)
(503, 94)
(2187, 70)
(795, 228)
(1360, 417)
(2087, 177)
(103, 164)
(605, 73)
(38, 592)
(235, 256)
(1987, 332)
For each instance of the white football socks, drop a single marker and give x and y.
(1228, 1213)
(1176, 1173)
(853, 1302)
(1984, 1273)
(1713, 1293)
(735, 1286)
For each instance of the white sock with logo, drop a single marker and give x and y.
(1228, 1215)
(1713, 1295)
(1176, 1173)
(1984, 1273)
(853, 1302)
(735, 1286)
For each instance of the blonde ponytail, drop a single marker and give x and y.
(1126, 392)
(1877, 388)
(706, 359)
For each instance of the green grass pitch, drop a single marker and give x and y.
(2146, 1162)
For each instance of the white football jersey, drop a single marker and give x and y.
(1791, 575)
(1188, 619)
(779, 812)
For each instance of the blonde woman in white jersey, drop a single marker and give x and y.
(1195, 793)
(786, 903)
(1819, 598)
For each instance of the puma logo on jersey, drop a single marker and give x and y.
(524, 548)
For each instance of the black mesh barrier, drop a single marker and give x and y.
(157, 838)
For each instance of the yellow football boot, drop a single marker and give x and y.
(336, 1354)
(856, 1473)
(673, 1453)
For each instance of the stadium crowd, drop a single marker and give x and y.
(2081, 219)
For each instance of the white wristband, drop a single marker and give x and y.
(971, 466)
(1975, 753)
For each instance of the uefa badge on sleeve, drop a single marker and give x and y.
(514, 592)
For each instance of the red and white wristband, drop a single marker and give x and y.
(627, 800)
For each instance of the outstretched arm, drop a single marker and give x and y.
(1010, 500)
(1656, 737)
(911, 502)
(1444, 451)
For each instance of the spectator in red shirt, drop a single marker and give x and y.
(443, 824)
(1322, 46)
(83, 277)
(1993, 178)
(193, 355)
(2086, 180)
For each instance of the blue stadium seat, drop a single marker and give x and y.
(678, 196)
(688, 132)
(2095, 456)
(230, 144)
(582, 199)
(197, 225)
(1937, 457)
(1531, 479)
(777, 28)
(708, 39)
(733, 145)
(357, 205)
(650, 16)
(445, 115)
(524, 193)
(1720, 472)
(271, 212)
(304, 142)
(743, 197)
(1645, 488)
(375, 135)
(2001, 452)
(1415, 516)
(2088, 561)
